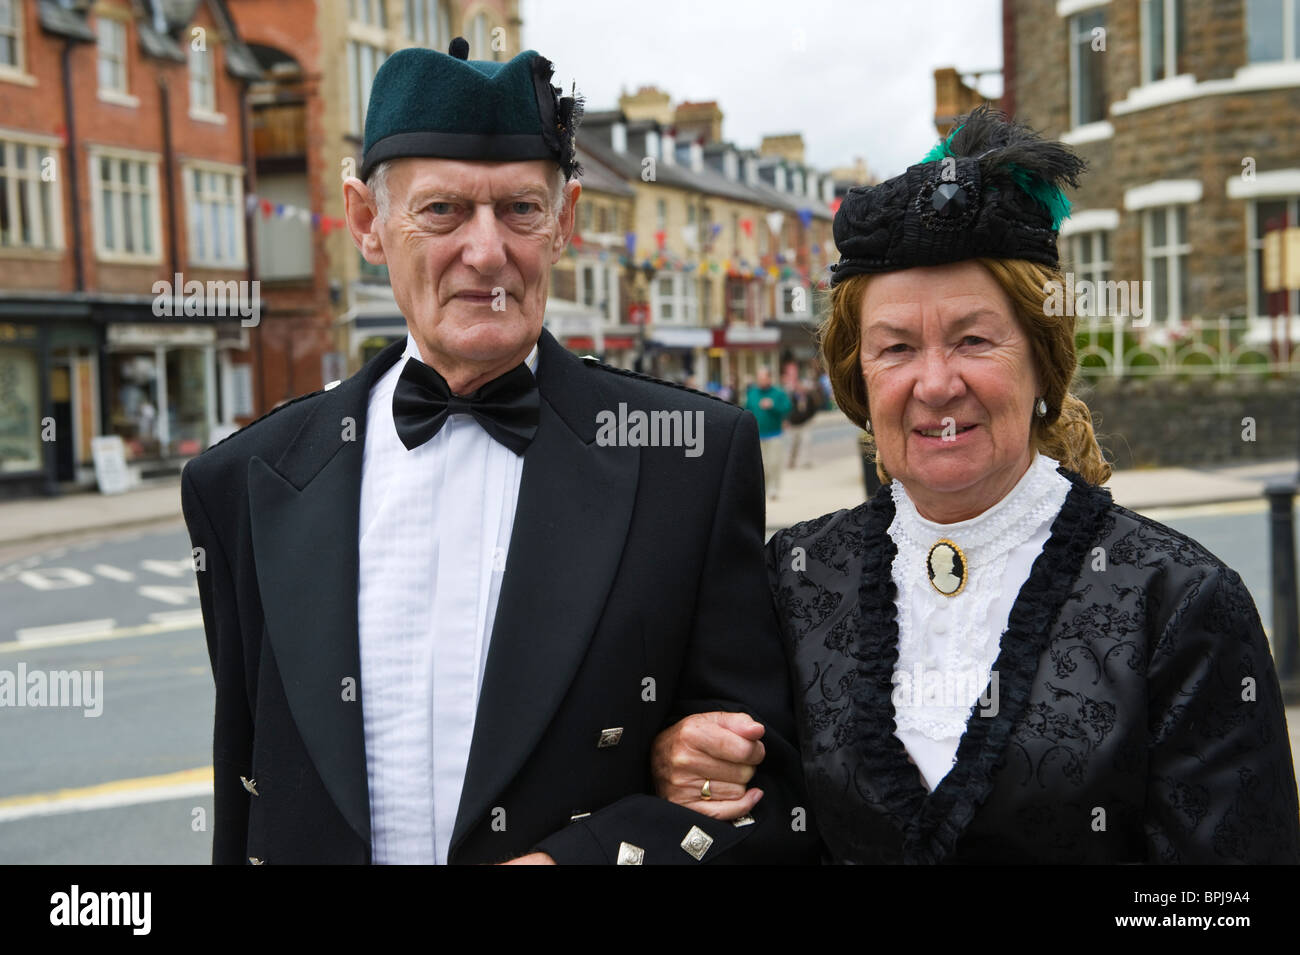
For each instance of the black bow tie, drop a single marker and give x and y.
(506, 407)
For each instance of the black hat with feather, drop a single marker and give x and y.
(992, 189)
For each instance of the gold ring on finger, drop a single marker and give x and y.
(705, 791)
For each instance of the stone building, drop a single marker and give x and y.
(1188, 112)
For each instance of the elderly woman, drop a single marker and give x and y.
(991, 660)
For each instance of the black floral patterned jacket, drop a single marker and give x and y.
(1139, 717)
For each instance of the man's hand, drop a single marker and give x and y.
(720, 748)
(533, 858)
(765, 402)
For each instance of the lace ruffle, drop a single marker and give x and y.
(962, 661)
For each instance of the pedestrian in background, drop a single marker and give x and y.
(770, 405)
(806, 399)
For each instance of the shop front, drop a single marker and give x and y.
(739, 351)
(678, 354)
(49, 397)
(161, 392)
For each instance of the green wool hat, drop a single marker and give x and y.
(447, 106)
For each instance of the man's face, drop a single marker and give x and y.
(469, 248)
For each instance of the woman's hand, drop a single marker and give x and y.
(721, 749)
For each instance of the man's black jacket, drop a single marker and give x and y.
(634, 593)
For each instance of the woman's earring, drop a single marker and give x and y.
(867, 426)
(1040, 409)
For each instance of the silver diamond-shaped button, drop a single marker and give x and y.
(610, 737)
(629, 854)
(697, 843)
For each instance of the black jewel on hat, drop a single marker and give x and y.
(459, 48)
(993, 189)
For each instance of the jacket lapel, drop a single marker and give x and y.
(574, 509)
(304, 514)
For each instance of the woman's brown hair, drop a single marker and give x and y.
(1065, 433)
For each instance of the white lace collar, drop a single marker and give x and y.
(954, 640)
(1036, 496)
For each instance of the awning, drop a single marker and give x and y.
(746, 336)
(681, 337)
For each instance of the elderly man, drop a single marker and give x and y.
(449, 604)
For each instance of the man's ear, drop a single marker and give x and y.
(568, 216)
(362, 215)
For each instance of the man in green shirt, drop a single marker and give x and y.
(770, 405)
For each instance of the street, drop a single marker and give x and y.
(126, 606)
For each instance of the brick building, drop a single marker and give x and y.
(123, 140)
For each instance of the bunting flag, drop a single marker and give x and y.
(282, 210)
(805, 217)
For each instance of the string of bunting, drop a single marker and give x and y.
(283, 210)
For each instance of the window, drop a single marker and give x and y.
(737, 304)
(1087, 70)
(480, 39)
(794, 300)
(597, 286)
(203, 95)
(584, 218)
(125, 204)
(672, 299)
(1162, 39)
(1164, 259)
(30, 213)
(112, 54)
(215, 199)
(11, 37)
(1088, 255)
(1272, 30)
(369, 12)
(428, 23)
(1268, 215)
(364, 61)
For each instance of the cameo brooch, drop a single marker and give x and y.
(945, 565)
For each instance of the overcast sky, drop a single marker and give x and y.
(854, 76)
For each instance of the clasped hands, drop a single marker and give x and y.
(722, 750)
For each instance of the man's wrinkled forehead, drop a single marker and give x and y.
(480, 181)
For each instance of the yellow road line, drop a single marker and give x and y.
(120, 792)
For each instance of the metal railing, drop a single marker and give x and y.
(1124, 346)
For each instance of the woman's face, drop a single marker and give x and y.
(951, 386)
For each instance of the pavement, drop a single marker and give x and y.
(833, 481)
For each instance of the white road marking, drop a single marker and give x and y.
(114, 573)
(56, 578)
(170, 568)
(66, 632)
(140, 630)
(170, 595)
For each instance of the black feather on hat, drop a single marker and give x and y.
(993, 188)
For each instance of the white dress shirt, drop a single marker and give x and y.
(435, 525)
(947, 645)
